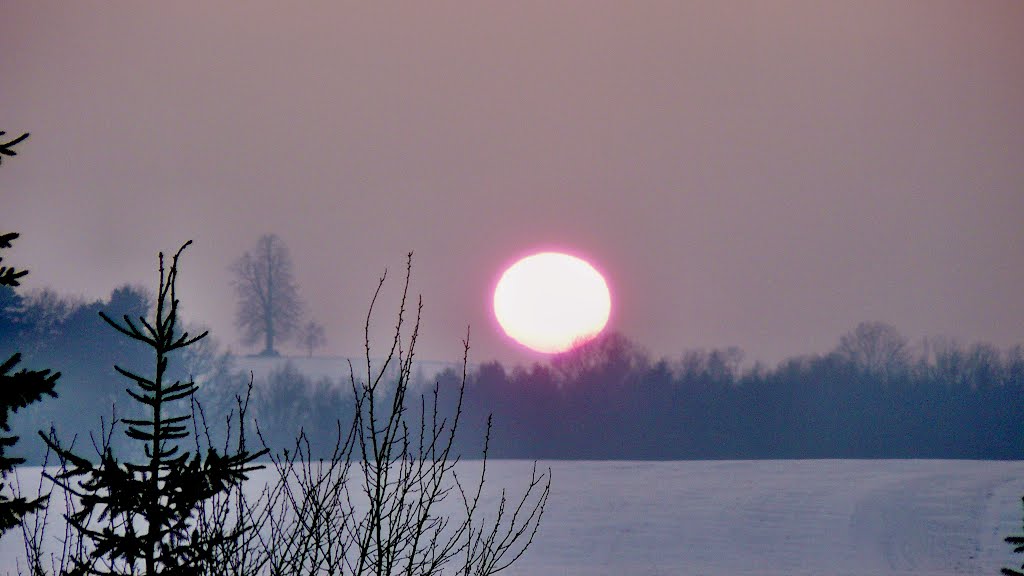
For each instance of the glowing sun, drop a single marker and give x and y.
(550, 302)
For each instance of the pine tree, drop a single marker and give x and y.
(17, 390)
(143, 517)
(7, 148)
(1018, 546)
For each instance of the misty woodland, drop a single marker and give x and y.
(876, 395)
(155, 430)
(158, 489)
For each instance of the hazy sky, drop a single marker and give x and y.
(760, 174)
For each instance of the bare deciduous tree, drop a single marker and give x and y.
(875, 346)
(268, 300)
(311, 336)
(390, 499)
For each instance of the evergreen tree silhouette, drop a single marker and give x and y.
(1018, 546)
(17, 390)
(7, 148)
(143, 517)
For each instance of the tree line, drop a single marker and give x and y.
(873, 396)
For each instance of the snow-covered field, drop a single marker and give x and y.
(863, 517)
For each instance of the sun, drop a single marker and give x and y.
(551, 302)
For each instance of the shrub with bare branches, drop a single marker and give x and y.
(390, 498)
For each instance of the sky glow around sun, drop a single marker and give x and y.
(550, 302)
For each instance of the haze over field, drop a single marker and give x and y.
(764, 175)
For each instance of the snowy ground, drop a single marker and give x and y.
(863, 517)
(779, 517)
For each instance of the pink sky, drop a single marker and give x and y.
(759, 174)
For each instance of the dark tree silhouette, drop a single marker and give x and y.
(9, 276)
(389, 498)
(145, 516)
(7, 148)
(268, 300)
(17, 390)
(1018, 546)
(876, 347)
(311, 336)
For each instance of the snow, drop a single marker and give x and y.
(821, 517)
